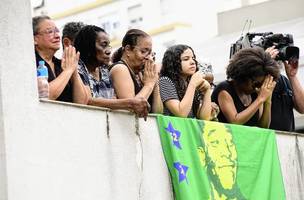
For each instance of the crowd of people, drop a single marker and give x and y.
(254, 93)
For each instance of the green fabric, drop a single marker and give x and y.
(211, 160)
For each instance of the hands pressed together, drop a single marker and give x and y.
(70, 59)
(150, 75)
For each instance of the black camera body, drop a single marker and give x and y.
(282, 42)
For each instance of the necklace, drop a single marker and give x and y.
(245, 99)
(135, 77)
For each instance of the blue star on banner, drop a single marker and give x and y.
(175, 135)
(182, 170)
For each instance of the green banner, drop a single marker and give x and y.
(215, 161)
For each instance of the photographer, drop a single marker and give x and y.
(287, 94)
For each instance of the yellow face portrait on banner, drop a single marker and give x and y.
(218, 156)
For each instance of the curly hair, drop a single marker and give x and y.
(251, 62)
(37, 20)
(172, 68)
(131, 38)
(71, 29)
(85, 43)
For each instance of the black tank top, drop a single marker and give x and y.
(226, 85)
(138, 85)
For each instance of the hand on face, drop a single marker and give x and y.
(272, 51)
(291, 67)
(150, 75)
(267, 88)
(70, 59)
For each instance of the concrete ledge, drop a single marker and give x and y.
(152, 115)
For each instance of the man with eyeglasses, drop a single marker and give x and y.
(64, 81)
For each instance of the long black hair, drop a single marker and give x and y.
(85, 43)
(172, 68)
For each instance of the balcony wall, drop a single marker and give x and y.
(77, 152)
(71, 152)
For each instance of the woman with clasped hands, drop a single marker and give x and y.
(245, 97)
(64, 82)
(184, 90)
(134, 72)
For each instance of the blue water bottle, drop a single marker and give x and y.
(42, 79)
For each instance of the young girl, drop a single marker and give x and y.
(183, 89)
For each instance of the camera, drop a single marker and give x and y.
(282, 42)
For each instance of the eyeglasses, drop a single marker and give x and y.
(49, 32)
(146, 52)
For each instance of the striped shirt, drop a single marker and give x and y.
(167, 92)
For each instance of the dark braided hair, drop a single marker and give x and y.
(131, 39)
(251, 62)
(85, 43)
(172, 68)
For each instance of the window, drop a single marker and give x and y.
(110, 23)
(135, 16)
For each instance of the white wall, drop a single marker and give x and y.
(291, 153)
